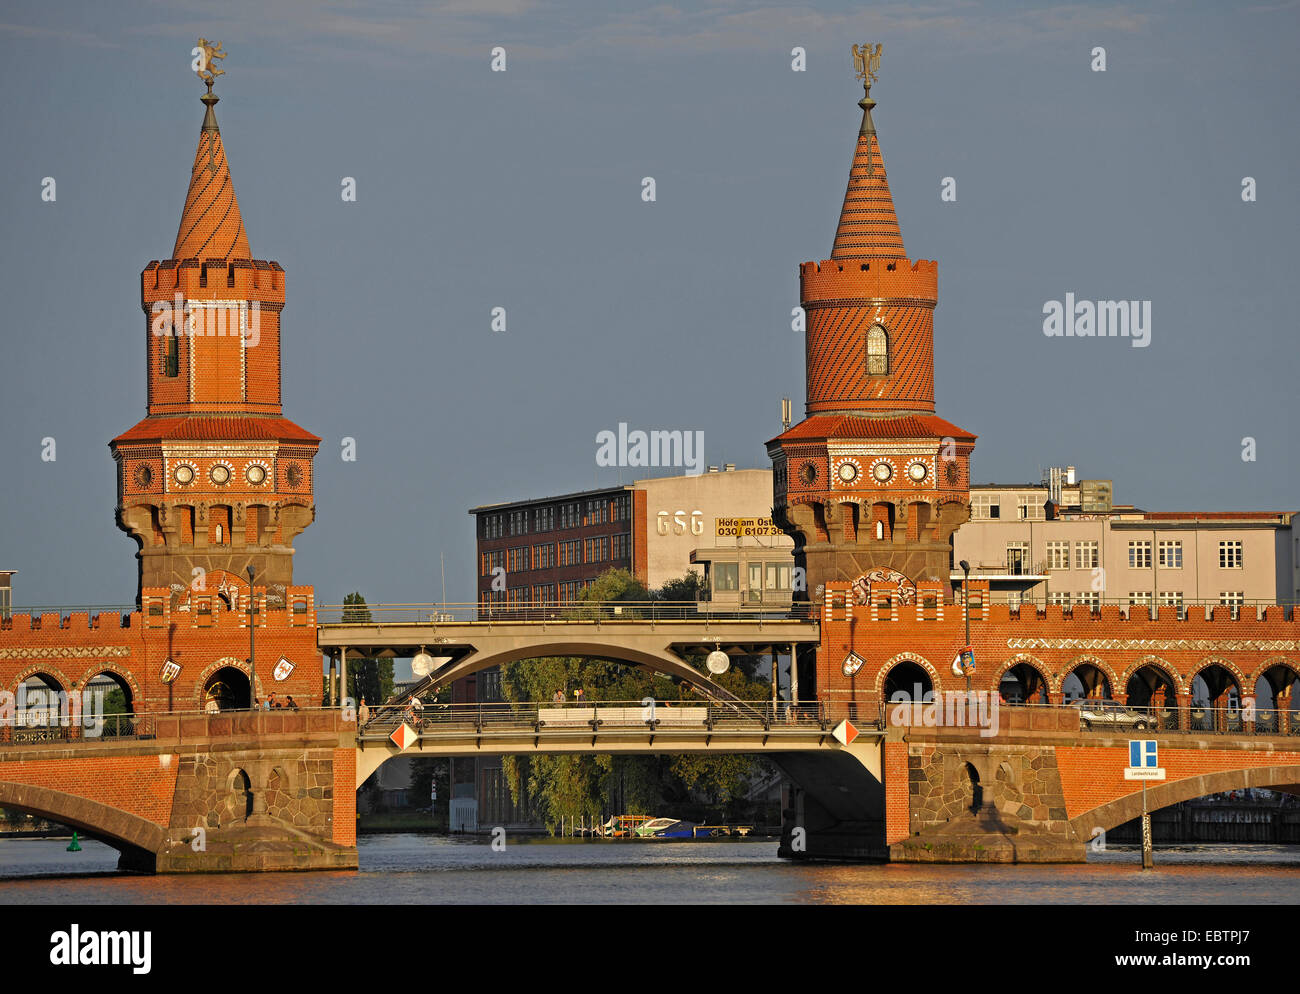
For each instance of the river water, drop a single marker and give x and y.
(426, 869)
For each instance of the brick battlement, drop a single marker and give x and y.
(873, 278)
(1215, 620)
(205, 610)
(257, 278)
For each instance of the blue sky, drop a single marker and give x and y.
(522, 190)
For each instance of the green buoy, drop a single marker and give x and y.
(74, 845)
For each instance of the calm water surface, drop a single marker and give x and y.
(424, 869)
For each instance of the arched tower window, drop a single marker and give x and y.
(877, 351)
(171, 354)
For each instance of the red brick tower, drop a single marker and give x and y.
(871, 484)
(214, 478)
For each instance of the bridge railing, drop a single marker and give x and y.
(1111, 717)
(379, 723)
(47, 726)
(556, 611)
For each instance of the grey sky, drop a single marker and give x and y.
(522, 189)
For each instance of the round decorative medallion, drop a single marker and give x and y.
(256, 473)
(808, 474)
(882, 471)
(184, 474)
(951, 473)
(220, 474)
(883, 574)
(917, 471)
(848, 472)
(294, 475)
(143, 476)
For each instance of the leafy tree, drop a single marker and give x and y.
(587, 786)
(425, 773)
(368, 679)
(686, 588)
(115, 702)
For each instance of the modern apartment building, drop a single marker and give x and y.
(1053, 546)
(543, 552)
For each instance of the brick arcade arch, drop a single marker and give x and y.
(1098, 664)
(114, 670)
(226, 662)
(1161, 665)
(1272, 663)
(1026, 659)
(43, 669)
(882, 674)
(1231, 668)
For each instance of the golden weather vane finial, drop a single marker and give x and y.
(207, 52)
(867, 63)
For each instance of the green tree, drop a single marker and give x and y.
(368, 679)
(587, 786)
(425, 773)
(685, 588)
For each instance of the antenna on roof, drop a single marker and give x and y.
(785, 414)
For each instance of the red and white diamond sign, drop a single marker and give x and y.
(844, 732)
(404, 736)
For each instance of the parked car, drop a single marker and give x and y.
(1109, 714)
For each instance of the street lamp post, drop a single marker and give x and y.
(252, 629)
(965, 605)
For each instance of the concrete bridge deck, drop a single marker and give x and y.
(606, 727)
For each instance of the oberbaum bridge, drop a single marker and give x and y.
(215, 483)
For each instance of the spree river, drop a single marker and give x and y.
(427, 869)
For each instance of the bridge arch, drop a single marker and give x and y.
(936, 684)
(1160, 795)
(130, 834)
(660, 661)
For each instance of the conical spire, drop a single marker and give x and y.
(211, 226)
(868, 225)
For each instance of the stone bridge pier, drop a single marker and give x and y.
(231, 792)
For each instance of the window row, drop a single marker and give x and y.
(761, 576)
(550, 554)
(1029, 506)
(1169, 554)
(539, 594)
(1165, 598)
(572, 514)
